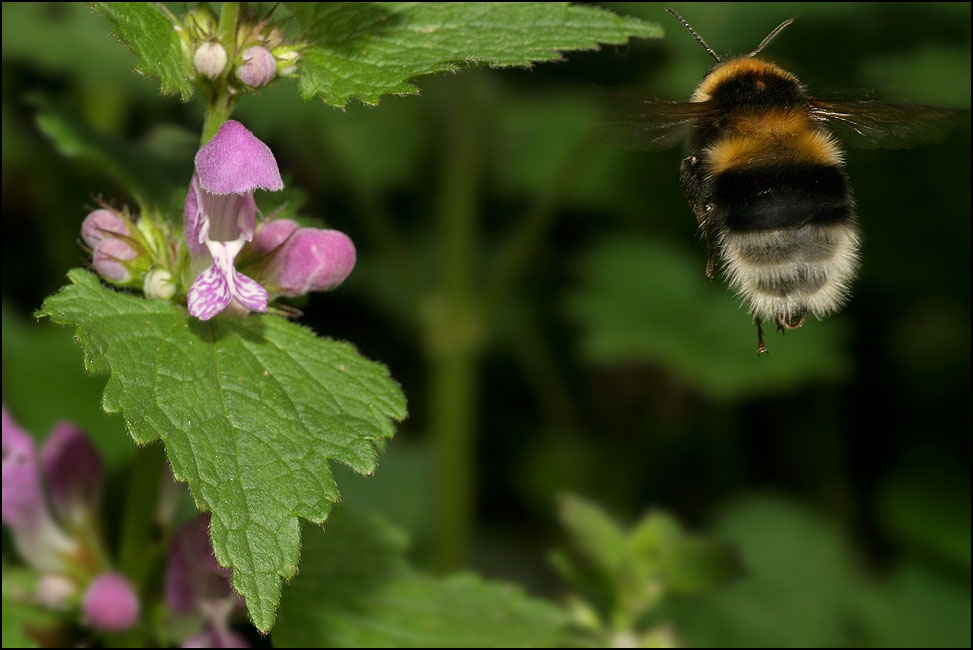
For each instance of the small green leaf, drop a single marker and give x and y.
(647, 301)
(356, 590)
(365, 50)
(149, 33)
(596, 535)
(252, 411)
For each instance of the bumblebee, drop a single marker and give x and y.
(765, 178)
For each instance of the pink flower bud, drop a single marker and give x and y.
(74, 473)
(110, 603)
(271, 235)
(259, 67)
(210, 59)
(312, 260)
(109, 257)
(101, 224)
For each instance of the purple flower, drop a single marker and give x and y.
(110, 603)
(40, 541)
(311, 260)
(74, 473)
(259, 67)
(193, 576)
(221, 215)
(271, 235)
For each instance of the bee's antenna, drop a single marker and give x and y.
(698, 37)
(771, 36)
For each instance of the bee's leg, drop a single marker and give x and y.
(710, 248)
(780, 328)
(761, 348)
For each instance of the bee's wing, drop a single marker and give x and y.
(651, 124)
(874, 124)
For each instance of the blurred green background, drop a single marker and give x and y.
(541, 298)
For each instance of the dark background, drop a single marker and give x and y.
(606, 365)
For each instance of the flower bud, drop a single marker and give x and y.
(74, 473)
(210, 59)
(158, 285)
(271, 235)
(110, 603)
(110, 257)
(101, 224)
(193, 575)
(55, 591)
(259, 67)
(311, 260)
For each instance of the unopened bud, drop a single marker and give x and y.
(110, 603)
(55, 591)
(259, 67)
(210, 59)
(158, 285)
(109, 258)
(74, 472)
(312, 260)
(101, 224)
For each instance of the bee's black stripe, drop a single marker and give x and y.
(781, 196)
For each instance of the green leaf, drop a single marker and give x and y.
(799, 587)
(355, 589)
(597, 536)
(917, 608)
(251, 412)
(149, 33)
(646, 301)
(20, 611)
(365, 50)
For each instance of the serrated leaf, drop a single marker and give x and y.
(149, 33)
(365, 50)
(251, 412)
(355, 589)
(647, 301)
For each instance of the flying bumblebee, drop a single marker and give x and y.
(766, 179)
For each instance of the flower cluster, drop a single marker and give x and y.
(221, 220)
(67, 552)
(65, 546)
(256, 55)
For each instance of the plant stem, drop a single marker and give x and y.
(454, 335)
(140, 546)
(219, 107)
(219, 102)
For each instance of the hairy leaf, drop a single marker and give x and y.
(149, 33)
(365, 50)
(251, 412)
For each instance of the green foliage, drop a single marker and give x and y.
(19, 611)
(251, 413)
(148, 170)
(149, 33)
(624, 575)
(642, 300)
(356, 589)
(364, 50)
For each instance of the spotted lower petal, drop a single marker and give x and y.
(249, 293)
(210, 294)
